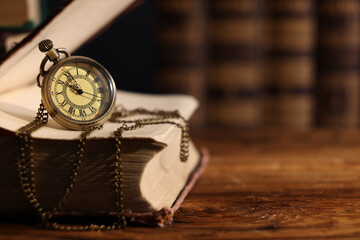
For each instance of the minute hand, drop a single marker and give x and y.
(80, 91)
(71, 78)
(89, 94)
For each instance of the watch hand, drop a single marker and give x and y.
(80, 91)
(90, 94)
(76, 88)
(71, 78)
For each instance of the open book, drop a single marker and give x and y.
(155, 180)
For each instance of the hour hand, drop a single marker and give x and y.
(76, 88)
(71, 78)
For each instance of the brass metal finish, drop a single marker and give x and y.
(46, 45)
(56, 112)
(53, 109)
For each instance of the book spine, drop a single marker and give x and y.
(290, 64)
(338, 63)
(181, 50)
(235, 69)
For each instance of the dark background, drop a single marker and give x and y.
(126, 48)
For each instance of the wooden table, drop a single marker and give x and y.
(258, 185)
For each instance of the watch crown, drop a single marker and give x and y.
(45, 45)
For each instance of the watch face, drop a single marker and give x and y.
(79, 92)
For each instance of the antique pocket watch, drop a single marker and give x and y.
(79, 94)
(77, 91)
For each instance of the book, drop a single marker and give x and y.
(154, 176)
(338, 63)
(180, 41)
(155, 180)
(235, 67)
(290, 64)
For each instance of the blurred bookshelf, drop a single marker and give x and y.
(338, 63)
(235, 63)
(290, 63)
(250, 63)
(180, 46)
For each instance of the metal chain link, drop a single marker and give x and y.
(26, 169)
(26, 172)
(161, 117)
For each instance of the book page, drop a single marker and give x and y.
(19, 107)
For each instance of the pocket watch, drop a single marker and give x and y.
(78, 92)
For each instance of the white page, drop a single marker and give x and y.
(19, 107)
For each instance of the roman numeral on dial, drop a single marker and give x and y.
(63, 104)
(56, 93)
(71, 110)
(82, 113)
(92, 109)
(59, 81)
(88, 71)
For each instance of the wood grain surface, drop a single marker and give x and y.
(258, 185)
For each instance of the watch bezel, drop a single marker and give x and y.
(54, 111)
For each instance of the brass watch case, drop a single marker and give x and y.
(53, 110)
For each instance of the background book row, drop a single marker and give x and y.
(256, 63)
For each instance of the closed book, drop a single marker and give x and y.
(235, 67)
(180, 44)
(338, 63)
(290, 63)
(155, 181)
